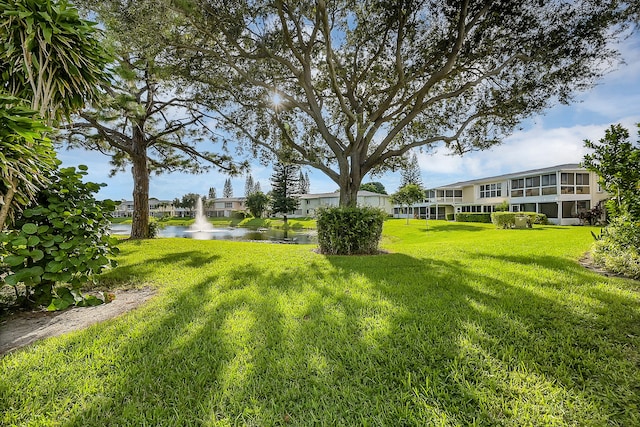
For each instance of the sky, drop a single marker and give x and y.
(556, 137)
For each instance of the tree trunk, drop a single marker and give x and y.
(350, 184)
(140, 223)
(6, 207)
(286, 228)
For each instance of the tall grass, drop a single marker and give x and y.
(459, 324)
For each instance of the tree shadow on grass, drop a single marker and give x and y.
(393, 340)
(447, 228)
(146, 270)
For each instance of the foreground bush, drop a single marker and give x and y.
(508, 219)
(616, 249)
(349, 231)
(62, 238)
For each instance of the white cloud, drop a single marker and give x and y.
(531, 149)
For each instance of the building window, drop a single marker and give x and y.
(549, 184)
(517, 187)
(574, 183)
(549, 209)
(489, 190)
(582, 183)
(471, 209)
(574, 208)
(228, 204)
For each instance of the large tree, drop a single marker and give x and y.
(352, 86)
(143, 120)
(284, 186)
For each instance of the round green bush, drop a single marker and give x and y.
(349, 230)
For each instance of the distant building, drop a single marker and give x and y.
(224, 207)
(310, 202)
(560, 192)
(157, 208)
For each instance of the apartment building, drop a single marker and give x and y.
(561, 192)
(310, 202)
(222, 207)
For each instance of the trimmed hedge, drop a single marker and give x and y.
(474, 217)
(508, 219)
(349, 230)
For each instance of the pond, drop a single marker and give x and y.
(231, 233)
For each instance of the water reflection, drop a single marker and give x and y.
(238, 233)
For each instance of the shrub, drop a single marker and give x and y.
(155, 226)
(616, 249)
(450, 217)
(349, 230)
(474, 217)
(238, 215)
(508, 219)
(63, 238)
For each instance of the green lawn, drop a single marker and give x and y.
(460, 324)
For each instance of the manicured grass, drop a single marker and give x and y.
(460, 324)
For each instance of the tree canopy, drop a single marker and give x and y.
(350, 87)
(257, 202)
(616, 160)
(143, 119)
(410, 172)
(374, 187)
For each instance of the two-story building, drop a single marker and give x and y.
(310, 202)
(560, 192)
(224, 207)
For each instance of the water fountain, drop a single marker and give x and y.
(201, 227)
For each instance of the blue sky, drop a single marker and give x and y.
(550, 139)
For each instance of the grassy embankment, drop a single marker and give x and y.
(460, 324)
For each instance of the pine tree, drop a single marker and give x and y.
(257, 188)
(227, 192)
(410, 173)
(212, 193)
(303, 183)
(307, 183)
(249, 187)
(284, 183)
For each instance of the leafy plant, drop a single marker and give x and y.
(257, 203)
(616, 249)
(26, 156)
(61, 238)
(349, 230)
(508, 219)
